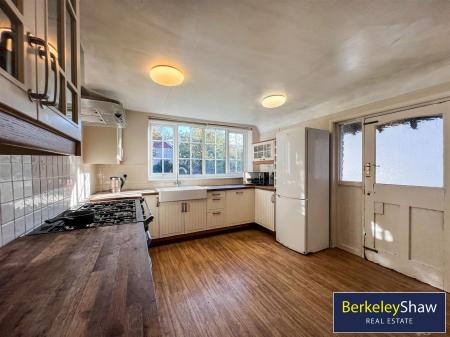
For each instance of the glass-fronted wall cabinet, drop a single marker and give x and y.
(17, 56)
(40, 61)
(264, 151)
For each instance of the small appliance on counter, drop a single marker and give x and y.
(100, 214)
(117, 184)
(258, 178)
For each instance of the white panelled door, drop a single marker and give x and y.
(404, 192)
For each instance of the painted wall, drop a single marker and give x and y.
(135, 163)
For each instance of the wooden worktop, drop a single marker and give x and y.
(89, 282)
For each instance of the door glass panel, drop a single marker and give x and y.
(350, 152)
(411, 152)
(69, 46)
(8, 43)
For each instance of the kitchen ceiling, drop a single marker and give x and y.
(326, 56)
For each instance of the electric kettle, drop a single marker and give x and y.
(116, 184)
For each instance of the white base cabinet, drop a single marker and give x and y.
(152, 203)
(220, 209)
(265, 209)
(240, 206)
(171, 219)
(181, 217)
(194, 216)
(216, 210)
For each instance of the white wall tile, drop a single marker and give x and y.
(7, 211)
(19, 225)
(28, 205)
(18, 189)
(43, 167)
(19, 208)
(27, 188)
(27, 172)
(36, 188)
(35, 167)
(8, 232)
(17, 173)
(6, 192)
(37, 218)
(5, 172)
(29, 222)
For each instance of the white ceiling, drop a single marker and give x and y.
(325, 55)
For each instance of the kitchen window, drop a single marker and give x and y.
(350, 152)
(195, 151)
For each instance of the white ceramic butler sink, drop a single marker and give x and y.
(181, 193)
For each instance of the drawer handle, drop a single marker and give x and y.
(239, 192)
(217, 199)
(215, 194)
(217, 213)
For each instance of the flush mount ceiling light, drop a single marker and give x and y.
(273, 101)
(166, 75)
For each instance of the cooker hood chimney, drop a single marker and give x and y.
(99, 110)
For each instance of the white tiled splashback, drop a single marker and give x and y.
(36, 188)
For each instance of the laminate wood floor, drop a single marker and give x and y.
(246, 284)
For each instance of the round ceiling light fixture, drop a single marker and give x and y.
(273, 101)
(166, 75)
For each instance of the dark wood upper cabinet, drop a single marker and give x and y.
(40, 64)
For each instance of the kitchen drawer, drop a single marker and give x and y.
(216, 219)
(216, 194)
(216, 201)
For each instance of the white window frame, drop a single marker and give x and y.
(173, 176)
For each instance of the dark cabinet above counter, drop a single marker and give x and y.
(40, 76)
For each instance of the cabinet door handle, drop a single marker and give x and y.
(33, 40)
(54, 58)
(216, 199)
(216, 213)
(182, 207)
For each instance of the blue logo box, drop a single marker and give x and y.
(421, 312)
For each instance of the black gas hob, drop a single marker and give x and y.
(107, 213)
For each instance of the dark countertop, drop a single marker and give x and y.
(89, 282)
(139, 193)
(237, 187)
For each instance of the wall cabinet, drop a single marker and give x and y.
(264, 151)
(265, 209)
(40, 63)
(239, 207)
(102, 145)
(181, 217)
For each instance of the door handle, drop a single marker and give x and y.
(54, 58)
(42, 44)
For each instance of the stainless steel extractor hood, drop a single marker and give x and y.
(99, 110)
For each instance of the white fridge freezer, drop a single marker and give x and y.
(303, 189)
